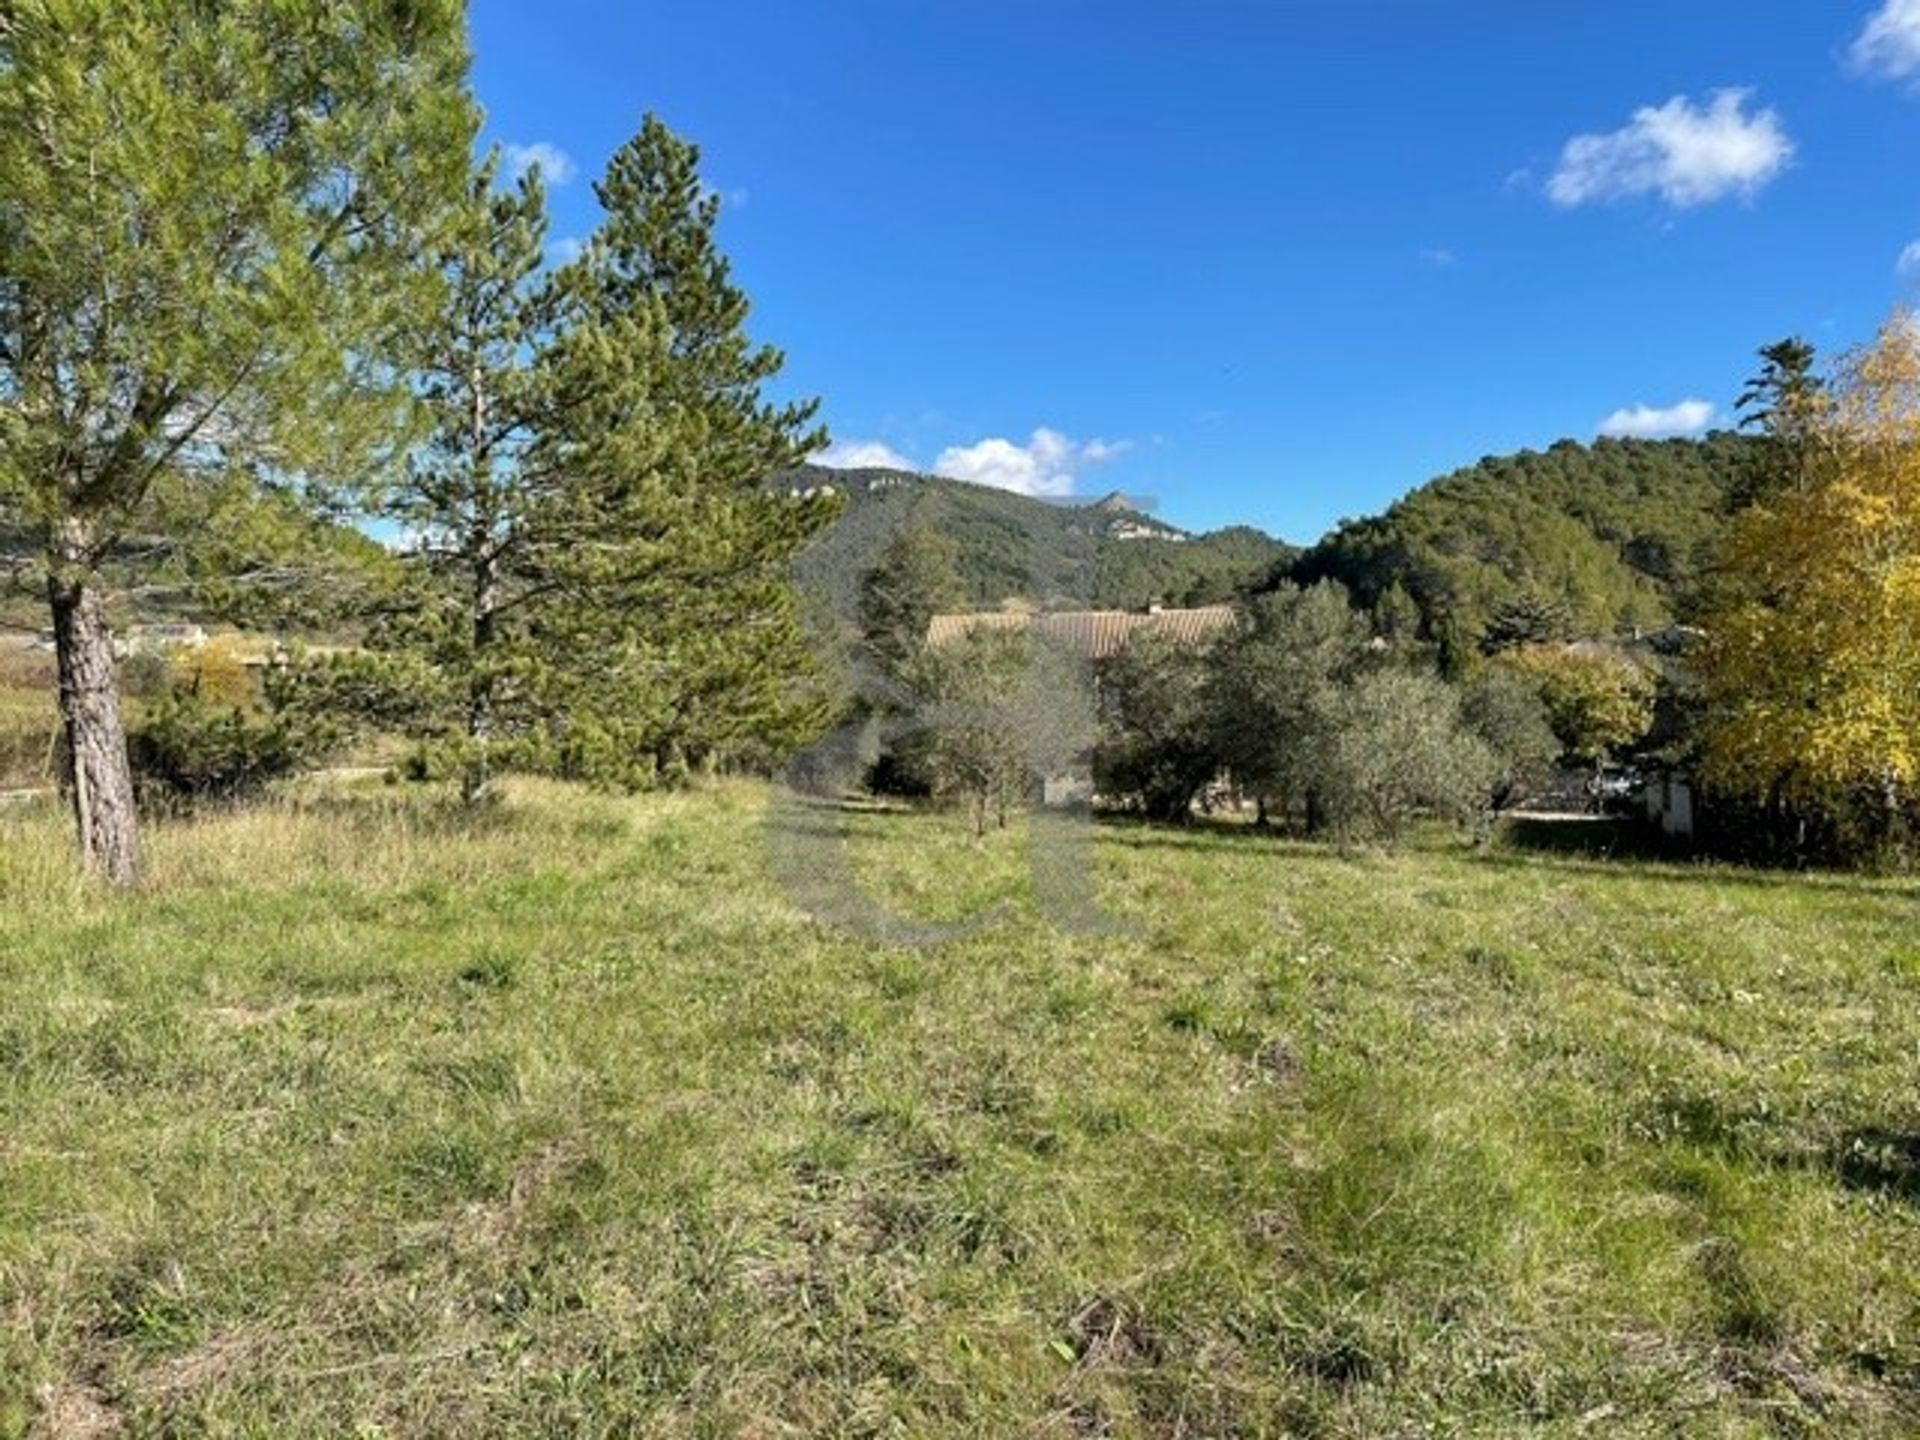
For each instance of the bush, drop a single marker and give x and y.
(185, 750)
(215, 673)
(146, 675)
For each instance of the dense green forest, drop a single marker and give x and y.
(1105, 554)
(1614, 535)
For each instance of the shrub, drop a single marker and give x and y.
(215, 673)
(146, 675)
(185, 750)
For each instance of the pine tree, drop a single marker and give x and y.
(915, 577)
(475, 506)
(209, 217)
(682, 549)
(1529, 618)
(1786, 402)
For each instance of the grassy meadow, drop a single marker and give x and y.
(368, 1119)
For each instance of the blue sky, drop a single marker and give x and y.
(1265, 262)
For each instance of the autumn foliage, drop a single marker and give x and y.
(1811, 673)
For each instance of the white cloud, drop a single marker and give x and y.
(1439, 259)
(863, 455)
(1907, 267)
(1685, 153)
(1048, 464)
(1651, 422)
(1889, 46)
(565, 250)
(556, 166)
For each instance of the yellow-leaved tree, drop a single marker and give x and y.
(1811, 669)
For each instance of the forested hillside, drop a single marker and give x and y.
(1010, 546)
(1616, 532)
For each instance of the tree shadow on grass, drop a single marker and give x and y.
(1665, 867)
(1870, 1159)
(1599, 838)
(1595, 849)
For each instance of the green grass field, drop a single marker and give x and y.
(368, 1120)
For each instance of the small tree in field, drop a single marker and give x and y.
(1265, 682)
(1391, 746)
(209, 217)
(1598, 700)
(976, 745)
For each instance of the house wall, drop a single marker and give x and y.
(1669, 801)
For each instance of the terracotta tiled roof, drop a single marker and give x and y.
(1095, 634)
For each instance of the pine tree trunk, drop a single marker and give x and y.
(478, 776)
(478, 779)
(102, 781)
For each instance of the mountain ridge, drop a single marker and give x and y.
(1617, 533)
(1104, 552)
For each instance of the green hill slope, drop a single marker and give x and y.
(1617, 532)
(1104, 553)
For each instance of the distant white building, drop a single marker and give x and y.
(157, 639)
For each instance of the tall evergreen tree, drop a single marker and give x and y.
(209, 217)
(657, 245)
(1785, 401)
(475, 505)
(699, 652)
(915, 577)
